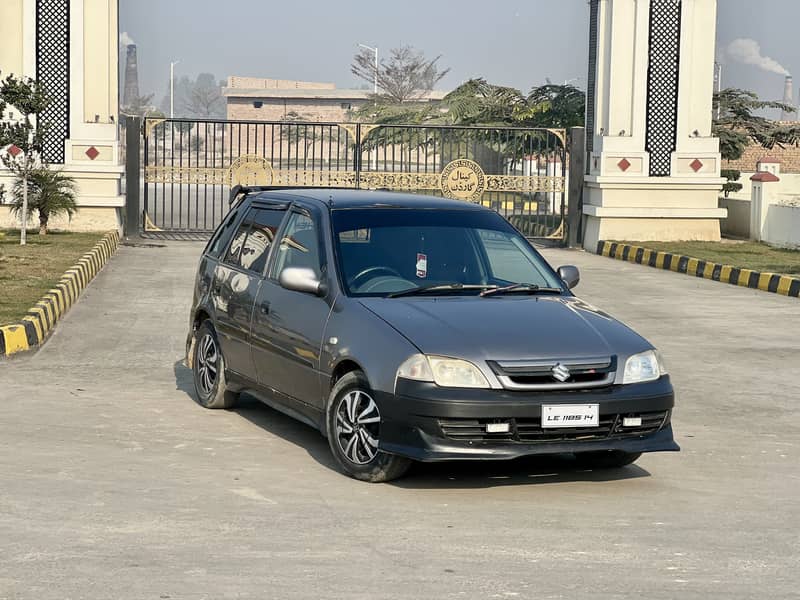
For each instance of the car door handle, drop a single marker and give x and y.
(264, 308)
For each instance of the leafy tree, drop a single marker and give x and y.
(477, 102)
(405, 77)
(557, 106)
(22, 134)
(731, 187)
(737, 125)
(50, 192)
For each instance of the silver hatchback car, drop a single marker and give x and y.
(411, 328)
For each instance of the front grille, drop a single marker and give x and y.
(543, 375)
(530, 430)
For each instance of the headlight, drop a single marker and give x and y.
(647, 366)
(444, 372)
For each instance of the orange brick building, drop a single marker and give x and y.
(258, 99)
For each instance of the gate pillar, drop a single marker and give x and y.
(653, 167)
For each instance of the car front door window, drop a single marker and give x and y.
(299, 246)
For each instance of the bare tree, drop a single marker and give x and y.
(405, 77)
(204, 98)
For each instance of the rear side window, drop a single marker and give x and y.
(223, 234)
(249, 248)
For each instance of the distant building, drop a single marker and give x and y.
(788, 156)
(257, 99)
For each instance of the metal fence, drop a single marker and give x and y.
(190, 165)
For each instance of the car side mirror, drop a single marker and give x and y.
(570, 275)
(301, 280)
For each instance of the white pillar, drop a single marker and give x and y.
(653, 167)
(763, 191)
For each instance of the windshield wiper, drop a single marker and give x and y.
(447, 287)
(520, 288)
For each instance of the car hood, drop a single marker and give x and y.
(507, 328)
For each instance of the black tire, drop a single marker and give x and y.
(607, 459)
(356, 450)
(208, 368)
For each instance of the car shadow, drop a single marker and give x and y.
(531, 470)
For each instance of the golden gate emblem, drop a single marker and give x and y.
(463, 179)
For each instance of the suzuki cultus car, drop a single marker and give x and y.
(411, 328)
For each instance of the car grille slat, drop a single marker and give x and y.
(583, 373)
(531, 431)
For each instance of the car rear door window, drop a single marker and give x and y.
(250, 246)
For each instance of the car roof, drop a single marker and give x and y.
(337, 198)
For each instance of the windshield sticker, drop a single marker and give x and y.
(422, 266)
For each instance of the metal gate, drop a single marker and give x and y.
(190, 166)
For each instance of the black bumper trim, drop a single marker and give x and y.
(411, 420)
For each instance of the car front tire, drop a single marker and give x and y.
(208, 367)
(353, 425)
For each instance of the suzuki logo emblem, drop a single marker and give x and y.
(561, 372)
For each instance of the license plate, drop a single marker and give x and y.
(559, 416)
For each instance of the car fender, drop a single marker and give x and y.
(356, 334)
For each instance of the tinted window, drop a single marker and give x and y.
(235, 248)
(382, 250)
(264, 228)
(223, 234)
(507, 258)
(249, 248)
(299, 246)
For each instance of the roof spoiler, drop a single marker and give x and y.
(238, 192)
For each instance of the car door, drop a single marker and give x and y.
(287, 325)
(236, 281)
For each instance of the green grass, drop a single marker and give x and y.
(27, 272)
(746, 255)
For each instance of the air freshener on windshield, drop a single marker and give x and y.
(422, 266)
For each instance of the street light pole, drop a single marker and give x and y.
(375, 50)
(172, 88)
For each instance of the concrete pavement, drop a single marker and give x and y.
(115, 484)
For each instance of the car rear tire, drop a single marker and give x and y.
(607, 459)
(208, 367)
(353, 425)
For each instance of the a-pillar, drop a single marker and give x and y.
(653, 167)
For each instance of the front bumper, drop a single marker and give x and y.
(428, 423)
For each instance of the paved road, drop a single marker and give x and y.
(115, 484)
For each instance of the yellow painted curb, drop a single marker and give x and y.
(34, 327)
(695, 267)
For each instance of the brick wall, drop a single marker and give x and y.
(259, 83)
(306, 109)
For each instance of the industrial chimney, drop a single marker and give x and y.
(788, 98)
(131, 90)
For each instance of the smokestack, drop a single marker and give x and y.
(131, 89)
(788, 98)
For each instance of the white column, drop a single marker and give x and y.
(765, 186)
(631, 193)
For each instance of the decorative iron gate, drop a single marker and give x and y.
(190, 166)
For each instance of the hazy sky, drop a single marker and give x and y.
(512, 42)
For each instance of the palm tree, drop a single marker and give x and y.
(50, 192)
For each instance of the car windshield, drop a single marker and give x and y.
(401, 251)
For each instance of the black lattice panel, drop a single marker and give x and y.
(52, 71)
(591, 88)
(662, 84)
